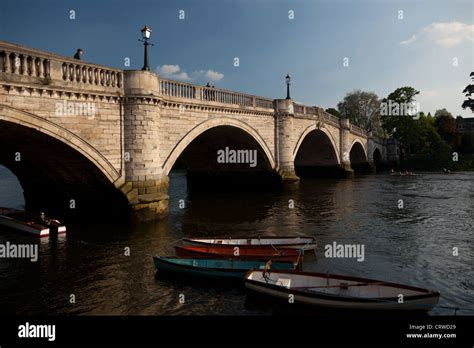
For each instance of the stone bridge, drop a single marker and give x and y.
(84, 138)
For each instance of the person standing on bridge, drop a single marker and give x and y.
(207, 93)
(78, 54)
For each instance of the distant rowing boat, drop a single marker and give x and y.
(305, 243)
(212, 268)
(36, 225)
(404, 174)
(342, 292)
(255, 253)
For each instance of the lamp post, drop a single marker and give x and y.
(146, 32)
(288, 79)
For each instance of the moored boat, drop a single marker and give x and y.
(304, 242)
(36, 225)
(263, 253)
(341, 292)
(215, 268)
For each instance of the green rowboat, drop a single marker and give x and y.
(217, 269)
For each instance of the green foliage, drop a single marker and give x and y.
(465, 163)
(333, 112)
(424, 136)
(467, 143)
(403, 95)
(447, 128)
(402, 126)
(468, 91)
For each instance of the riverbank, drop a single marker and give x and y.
(436, 163)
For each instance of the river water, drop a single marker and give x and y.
(412, 245)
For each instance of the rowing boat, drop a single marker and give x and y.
(37, 225)
(306, 243)
(214, 268)
(342, 292)
(263, 253)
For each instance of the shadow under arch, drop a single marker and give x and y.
(201, 151)
(207, 125)
(316, 154)
(378, 160)
(59, 175)
(358, 157)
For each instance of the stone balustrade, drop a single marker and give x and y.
(30, 66)
(357, 130)
(24, 64)
(89, 74)
(264, 103)
(299, 109)
(184, 90)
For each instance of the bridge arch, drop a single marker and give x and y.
(377, 157)
(358, 157)
(356, 148)
(59, 172)
(194, 133)
(26, 119)
(316, 153)
(311, 129)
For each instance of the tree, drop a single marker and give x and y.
(428, 149)
(468, 91)
(333, 112)
(426, 135)
(467, 142)
(401, 124)
(361, 108)
(447, 128)
(403, 95)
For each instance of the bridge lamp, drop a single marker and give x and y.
(288, 80)
(146, 33)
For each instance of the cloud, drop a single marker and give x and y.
(175, 72)
(446, 34)
(449, 34)
(431, 93)
(213, 75)
(409, 41)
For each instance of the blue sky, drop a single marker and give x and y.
(384, 52)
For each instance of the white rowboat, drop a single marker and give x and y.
(30, 223)
(305, 243)
(342, 292)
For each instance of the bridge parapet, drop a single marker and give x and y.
(316, 112)
(357, 130)
(27, 66)
(177, 91)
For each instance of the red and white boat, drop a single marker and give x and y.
(35, 224)
(241, 252)
(298, 242)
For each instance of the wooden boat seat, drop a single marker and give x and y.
(284, 282)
